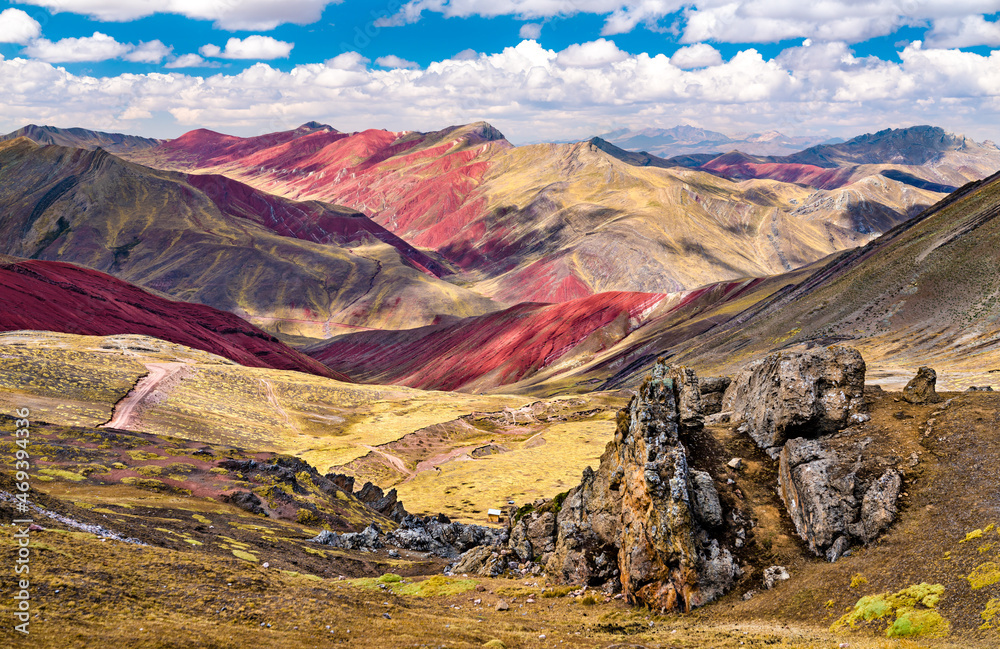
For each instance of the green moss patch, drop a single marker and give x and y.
(60, 473)
(154, 485)
(137, 454)
(436, 586)
(908, 613)
(431, 587)
(990, 613)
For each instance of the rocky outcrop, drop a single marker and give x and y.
(713, 389)
(831, 503)
(386, 504)
(587, 527)
(245, 501)
(343, 481)
(448, 540)
(797, 394)
(533, 536)
(922, 387)
(644, 518)
(801, 407)
(774, 575)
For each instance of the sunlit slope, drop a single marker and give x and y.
(598, 223)
(60, 378)
(666, 330)
(393, 436)
(304, 268)
(927, 292)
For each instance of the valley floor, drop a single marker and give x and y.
(207, 574)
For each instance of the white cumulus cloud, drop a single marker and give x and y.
(729, 21)
(595, 54)
(189, 61)
(251, 15)
(530, 31)
(393, 61)
(533, 93)
(252, 47)
(99, 47)
(967, 31)
(148, 52)
(699, 55)
(17, 26)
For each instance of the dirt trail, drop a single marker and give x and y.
(125, 409)
(272, 398)
(391, 459)
(430, 463)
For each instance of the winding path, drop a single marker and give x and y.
(124, 409)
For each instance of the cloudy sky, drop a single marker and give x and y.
(539, 70)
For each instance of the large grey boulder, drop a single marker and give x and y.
(831, 504)
(797, 394)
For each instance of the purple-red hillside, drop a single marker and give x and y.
(490, 350)
(61, 297)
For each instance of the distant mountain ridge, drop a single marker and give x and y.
(687, 140)
(82, 138)
(926, 157)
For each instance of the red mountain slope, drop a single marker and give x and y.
(415, 184)
(55, 296)
(491, 350)
(738, 166)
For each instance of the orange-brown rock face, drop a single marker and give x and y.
(667, 557)
(647, 507)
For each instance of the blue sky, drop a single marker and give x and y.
(537, 69)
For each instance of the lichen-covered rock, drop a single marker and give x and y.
(922, 387)
(533, 537)
(637, 517)
(705, 499)
(831, 506)
(483, 561)
(688, 390)
(519, 542)
(797, 394)
(541, 532)
(878, 507)
(587, 528)
(447, 540)
(819, 497)
(774, 575)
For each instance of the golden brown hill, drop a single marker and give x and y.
(925, 293)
